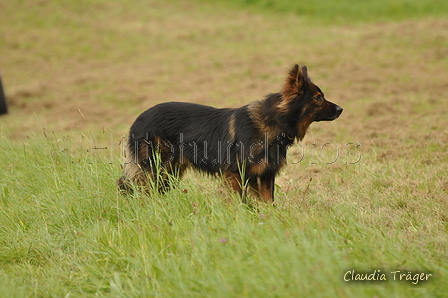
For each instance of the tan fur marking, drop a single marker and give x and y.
(182, 167)
(302, 127)
(283, 105)
(255, 110)
(143, 152)
(164, 148)
(264, 191)
(259, 168)
(232, 130)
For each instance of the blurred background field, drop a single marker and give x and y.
(76, 75)
(349, 11)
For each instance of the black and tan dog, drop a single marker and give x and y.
(246, 146)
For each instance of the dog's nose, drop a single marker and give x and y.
(339, 109)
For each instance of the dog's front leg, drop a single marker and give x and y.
(265, 189)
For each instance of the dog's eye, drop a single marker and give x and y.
(318, 98)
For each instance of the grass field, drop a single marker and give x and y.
(365, 194)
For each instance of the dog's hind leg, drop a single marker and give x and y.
(233, 180)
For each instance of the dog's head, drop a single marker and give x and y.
(300, 91)
(304, 102)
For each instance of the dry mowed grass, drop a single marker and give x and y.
(93, 66)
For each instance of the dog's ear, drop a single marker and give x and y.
(305, 73)
(295, 81)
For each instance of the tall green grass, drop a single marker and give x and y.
(330, 11)
(66, 232)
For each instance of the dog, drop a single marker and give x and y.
(246, 146)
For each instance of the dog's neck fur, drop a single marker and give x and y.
(268, 119)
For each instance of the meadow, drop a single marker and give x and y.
(364, 196)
